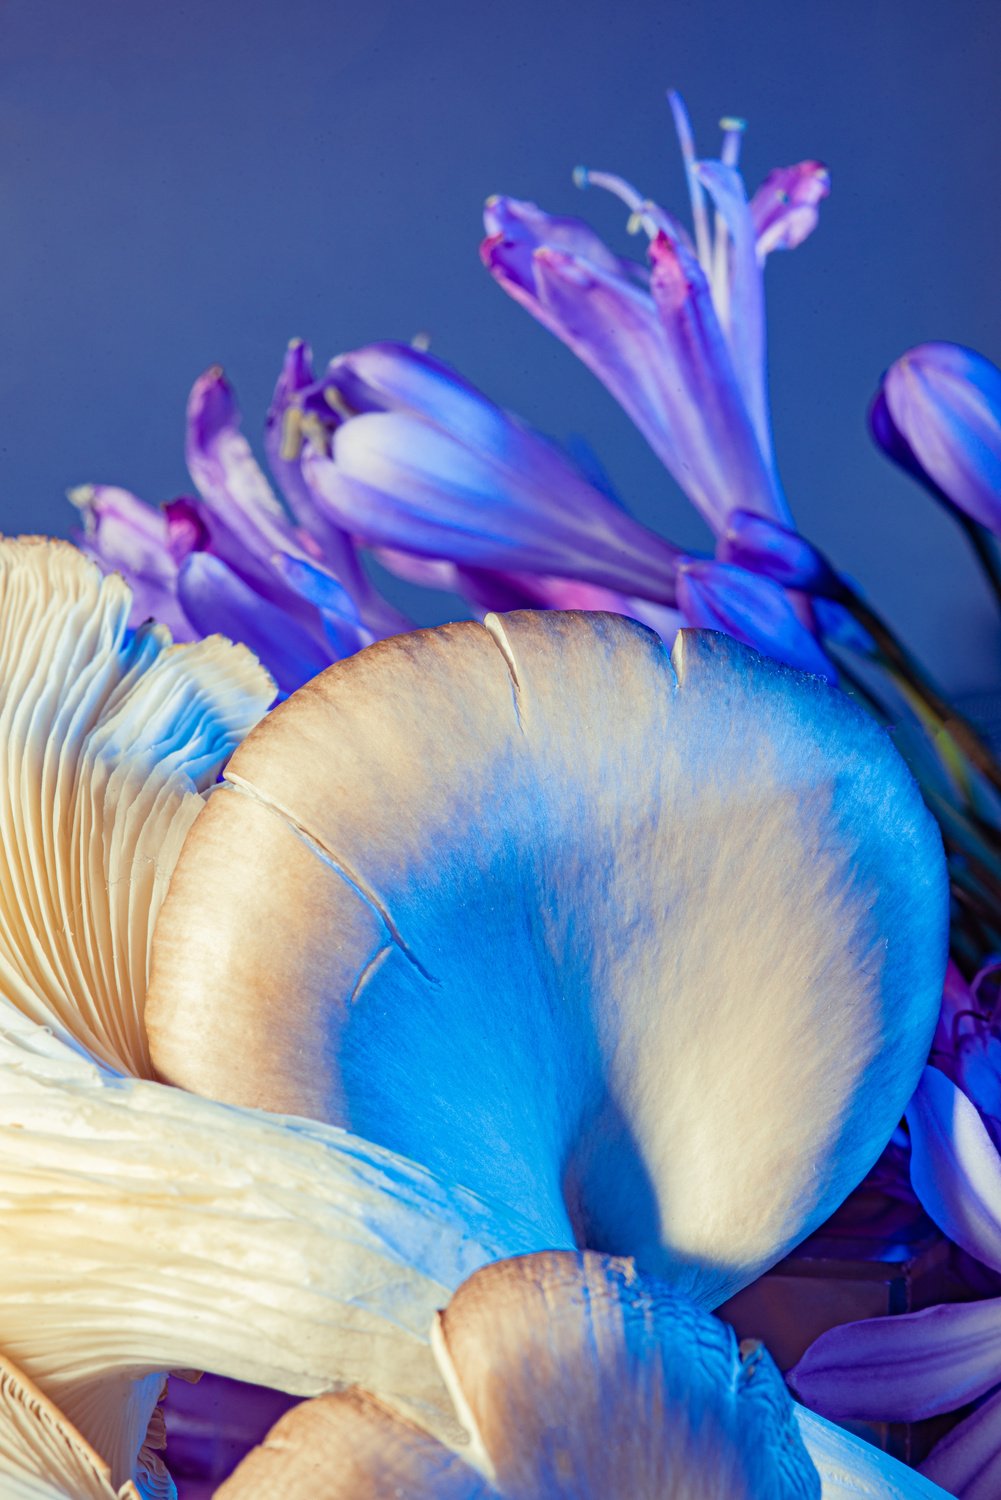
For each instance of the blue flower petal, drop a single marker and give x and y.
(955, 1167)
(903, 1368)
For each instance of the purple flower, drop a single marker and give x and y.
(926, 1363)
(681, 347)
(425, 465)
(938, 415)
(763, 546)
(231, 559)
(125, 535)
(754, 610)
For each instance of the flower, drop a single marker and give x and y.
(938, 1360)
(777, 552)
(753, 609)
(426, 465)
(483, 874)
(681, 347)
(938, 415)
(232, 560)
(545, 1356)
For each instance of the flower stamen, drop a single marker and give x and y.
(641, 215)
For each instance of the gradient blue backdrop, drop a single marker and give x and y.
(190, 183)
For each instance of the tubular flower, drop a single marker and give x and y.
(425, 465)
(938, 415)
(922, 1364)
(231, 559)
(474, 892)
(779, 553)
(682, 345)
(754, 610)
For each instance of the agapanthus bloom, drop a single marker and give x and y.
(567, 922)
(939, 1360)
(426, 465)
(286, 582)
(753, 609)
(938, 414)
(681, 345)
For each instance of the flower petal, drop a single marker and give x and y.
(225, 471)
(581, 1378)
(851, 1469)
(397, 481)
(778, 552)
(109, 742)
(216, 598)
(708, 396)
(565, 929)
(906, 1367)
(955, 1167)
(754, 610)
(785, 209)
(362, 1448)
(968, 1459)
(284, 432)
(146, 1230)
(521, 228)
(744, 316)
(944, 404)
(125, 535)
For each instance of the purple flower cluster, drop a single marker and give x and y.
(392, 451)
(946, 1357)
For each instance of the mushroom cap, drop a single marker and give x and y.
(651, 952)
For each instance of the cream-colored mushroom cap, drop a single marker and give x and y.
(651, 952)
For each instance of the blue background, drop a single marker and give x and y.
(191, 183)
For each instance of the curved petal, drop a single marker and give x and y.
(580, 1378)
(125, 535)
(785, 208)
(955, 1167)
(571, 930)
(284, 431)
(216, 598)
(364, 1451)
(225, 471)
(148, 1230)
(778, 552)
(709, 394)
(397, 481)
(906, 1367)
(968, 1459)
(108, 743)
(945, 404)
(396, 377)
(523, 227)
(754, 610)
(851, 1469)
(744, 316)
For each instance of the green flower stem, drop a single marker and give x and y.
(956, 726)
(982, 543)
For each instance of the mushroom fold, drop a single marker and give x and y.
(578, 1379)
(148, 1230)
(109, 740)
(650, 953)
